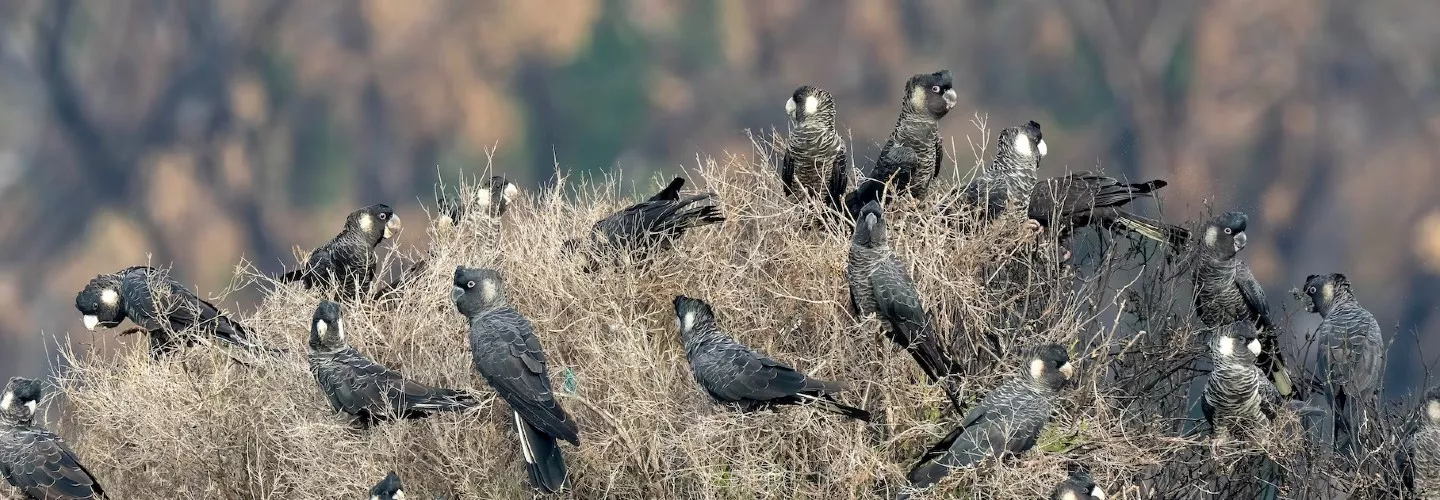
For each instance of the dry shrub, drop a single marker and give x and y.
(202, 426)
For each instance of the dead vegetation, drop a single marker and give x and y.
(202, 426)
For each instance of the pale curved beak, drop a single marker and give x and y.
(1068, 370)
(90, 321)
(1254, 347)
(1097, 493)
(1041, 148)
(951, 98)
(391, 226)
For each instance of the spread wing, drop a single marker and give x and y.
(48, 468)
(507, 353)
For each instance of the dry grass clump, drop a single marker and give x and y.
(201, 426)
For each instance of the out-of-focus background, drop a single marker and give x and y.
(201, 132)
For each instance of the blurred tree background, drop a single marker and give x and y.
(197, 133)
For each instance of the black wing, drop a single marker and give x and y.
(939, 158)
(839, 180)
(671, 192)
(319, 266)
(358, 386)
(509, 356)
(787, 173)
(1254, 297)
(734, 373)
(977, 436)
(895, 161)
(899, 304)
(50, 469)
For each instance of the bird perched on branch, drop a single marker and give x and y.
(505, 350)
(1351, 353)
(165, 310)
(1226, 292)
(494, 196)
(1060, 205)
(1010, 178)
(389, 488)
(732, 372)
(1238, 397)
(654, 224)
(1007, 421)
(879, 285)
(815, 162)
(1419, 457)
(1079, 486)
(34, 459)
(347, 262)
(910, 160)
(364, 389)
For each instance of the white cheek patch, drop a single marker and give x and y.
(811, 105)
(399, 495)
(484, 200)
(1254, 347)
(1022, 144)
(488, 290)
(1037, 368)
(1070, 495)
(366, 222)
(1040, 147)
(917, 98)
(109, 297)
(1432, 410)
(1210, 235)
(1226, 346)
(509, 192)
(1328, 292)
(321, 327)
(790, 107)
(340, 330)
(9, 399)
(689, 320)
(90, 321)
